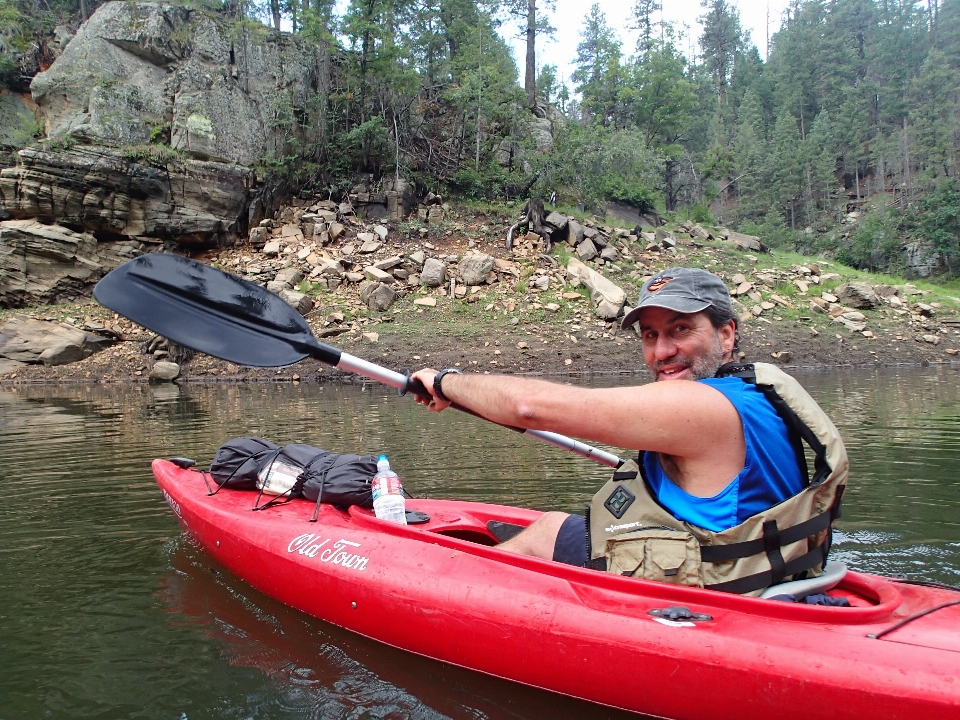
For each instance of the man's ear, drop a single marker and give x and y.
(728, 337)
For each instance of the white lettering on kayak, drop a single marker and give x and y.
(174, 505)
(614, 528)
(310, 544)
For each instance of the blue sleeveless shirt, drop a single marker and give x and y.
(770, 472)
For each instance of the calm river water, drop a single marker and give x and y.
(107, 612)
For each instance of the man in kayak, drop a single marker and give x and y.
(717, 451)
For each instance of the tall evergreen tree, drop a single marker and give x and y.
(598, 74)
(722, 39)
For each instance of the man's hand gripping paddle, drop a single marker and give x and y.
(229, 318)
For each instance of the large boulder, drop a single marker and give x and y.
(607, 297)
(746, 242)
(434, 272)
(377, 296)
(48, 263)
(475, 267)
(857, 295)
(28, 340)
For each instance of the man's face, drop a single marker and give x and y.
(680, 346)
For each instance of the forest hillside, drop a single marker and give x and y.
(844, 141)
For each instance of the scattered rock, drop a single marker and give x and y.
(418, 258)
(335, 230)
(932, 339)
(434, 273)
(426, 301)
(164, 371)
(474, 268)
(610, 254)
(557, 220)
(601, 289)
(272, 248)
(374, 273)
(291, 276)
(299, 300)
(858, 295)
(371, 336)
(587, 250)
(377, 296)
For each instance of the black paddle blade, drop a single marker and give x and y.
(211, 311)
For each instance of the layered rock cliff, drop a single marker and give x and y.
(156, 116)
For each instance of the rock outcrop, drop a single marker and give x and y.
(48, 263)
(27, 340)
(156, 115)
(100, 190)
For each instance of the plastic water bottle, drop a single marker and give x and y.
(388, 502)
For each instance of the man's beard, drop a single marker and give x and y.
(705, 366)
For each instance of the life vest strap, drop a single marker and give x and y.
(733, 551)
(765, 579)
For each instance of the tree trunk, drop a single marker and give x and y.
(530, 79)
(275, 12)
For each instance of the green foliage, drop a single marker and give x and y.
(592, 163)
(938, 220)
(156, 154)
(631, 192)
(876, 243)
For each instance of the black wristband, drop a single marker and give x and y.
(438, 381)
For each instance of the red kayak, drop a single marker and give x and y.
(441, 589)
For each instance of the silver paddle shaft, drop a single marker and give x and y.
(393, 379)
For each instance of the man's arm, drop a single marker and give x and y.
(684, 419)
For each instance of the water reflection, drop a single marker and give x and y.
(107, 611)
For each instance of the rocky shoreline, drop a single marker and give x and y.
(442, 290)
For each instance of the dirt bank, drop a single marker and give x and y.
(510, 324)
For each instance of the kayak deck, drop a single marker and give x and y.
(443, 590)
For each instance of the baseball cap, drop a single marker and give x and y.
(686, 290)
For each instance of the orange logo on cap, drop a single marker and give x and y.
(658, 284)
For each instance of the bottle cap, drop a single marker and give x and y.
(382, 457)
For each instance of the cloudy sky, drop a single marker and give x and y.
(568, 20)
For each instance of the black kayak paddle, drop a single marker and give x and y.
(214, 312)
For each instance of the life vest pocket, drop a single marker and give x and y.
(657, 553)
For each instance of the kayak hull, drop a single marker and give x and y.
(443, 591)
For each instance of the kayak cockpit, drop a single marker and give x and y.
(471, 527)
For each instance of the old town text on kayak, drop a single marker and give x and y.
(305, 545)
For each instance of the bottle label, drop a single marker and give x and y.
(389, 485)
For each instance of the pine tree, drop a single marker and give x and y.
(598, 74)
(820, 156)
(933, 103)
(786, 165)
(642, 13)
(721, 40)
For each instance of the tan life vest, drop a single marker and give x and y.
(631, 534)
